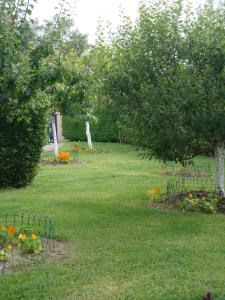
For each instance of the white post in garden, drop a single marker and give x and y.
(88, 134)
(56, 149)
(219, 155)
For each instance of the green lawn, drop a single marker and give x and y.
(122, 248)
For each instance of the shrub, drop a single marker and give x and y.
(20, 149)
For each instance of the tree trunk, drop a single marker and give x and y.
(88, 135)
(219, 155)
(56, 149)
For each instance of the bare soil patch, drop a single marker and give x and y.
(55, 163)
(51, 252)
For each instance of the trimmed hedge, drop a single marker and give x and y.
(105, 130)
(20, 150)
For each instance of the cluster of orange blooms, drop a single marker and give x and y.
(154, 191)
(64, 156)
(10, 231)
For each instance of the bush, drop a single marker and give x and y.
(20, 150)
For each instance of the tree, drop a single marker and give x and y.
(23, 107)
(60, 76)
(167, 74)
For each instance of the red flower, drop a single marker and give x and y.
(11, 230)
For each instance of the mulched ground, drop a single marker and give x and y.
(55, 163)
(50, 252)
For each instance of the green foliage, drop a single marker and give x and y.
(20, 149)
(38, 76)
(196, 204)
(73, 130)
(120, 246)
(23, 107)
(29, 240)
(104, 130)
(166, 74)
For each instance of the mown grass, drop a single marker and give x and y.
(122, 248)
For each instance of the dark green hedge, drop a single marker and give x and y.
(104, 130)
(20, 150)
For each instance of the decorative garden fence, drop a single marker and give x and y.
(195, 169)
(187, 184)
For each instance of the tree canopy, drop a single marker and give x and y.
(167, 73)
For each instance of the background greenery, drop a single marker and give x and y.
(107, 127)
(121, 247)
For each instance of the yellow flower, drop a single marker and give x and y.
(4, 228)
(22, 236)
(150, 192)
(190, 195)
(33, 236)
(9, 247)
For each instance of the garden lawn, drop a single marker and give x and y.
(121, 247)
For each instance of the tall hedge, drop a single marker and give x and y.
(23, 106)
(104, 130)
(20, 150)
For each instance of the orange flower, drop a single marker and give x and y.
(64, 156)
(154, 191)
(4, 228)
(33, 236)
(11, 230)
(76, 148)
(157, 189)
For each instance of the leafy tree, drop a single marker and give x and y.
(167, 74)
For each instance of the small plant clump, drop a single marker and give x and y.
(76, 147)
(206, 204)
(25, 238)
(64, 157)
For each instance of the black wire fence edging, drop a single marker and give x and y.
(188, 184)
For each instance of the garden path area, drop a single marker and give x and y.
(121, 247)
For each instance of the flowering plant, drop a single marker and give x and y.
(26, 238)
(6, 242)
(29, 241)
(76, 147)
(154, 191)
(64, 157)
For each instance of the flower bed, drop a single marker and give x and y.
(194, 200)
(24, 235)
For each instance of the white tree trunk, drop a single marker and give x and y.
(88, 133)
(219, 155)
(56, 148)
